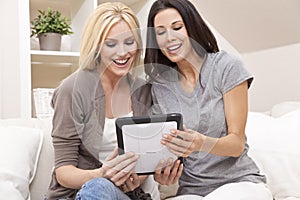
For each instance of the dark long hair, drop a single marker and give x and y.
(201, 37)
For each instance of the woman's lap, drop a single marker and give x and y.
(100, 188)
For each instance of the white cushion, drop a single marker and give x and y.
(9, 191)
(284, 107)
(19, 153)
(274, 146)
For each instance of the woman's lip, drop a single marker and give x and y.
(121, 62)
(173, 48)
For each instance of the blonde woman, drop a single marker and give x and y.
(86, 104)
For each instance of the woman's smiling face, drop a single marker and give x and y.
(171, 35)
(119, 50)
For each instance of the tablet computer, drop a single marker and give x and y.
(142, 135)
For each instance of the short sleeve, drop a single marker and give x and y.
(233, 73)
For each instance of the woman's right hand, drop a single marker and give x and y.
(117, 168)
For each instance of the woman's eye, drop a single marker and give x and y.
(130, 42)
(110, 44)
(160, 31)
(177, 28)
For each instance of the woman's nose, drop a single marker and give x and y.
(122, 50)
(170, 35)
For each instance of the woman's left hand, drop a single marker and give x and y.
(183, 143)
(169, 174)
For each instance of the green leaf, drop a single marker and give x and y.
(50, 21)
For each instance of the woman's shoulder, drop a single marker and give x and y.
(224, 58)
(67, 84)
(139, 86)
(141, 96)
(222, 61)
(80, 80)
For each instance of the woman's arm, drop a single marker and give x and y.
(70, 176)
(115, 168)
(236, 109)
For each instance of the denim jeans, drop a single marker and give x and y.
(100, 188)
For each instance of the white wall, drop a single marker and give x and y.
(276, 76)
(5, 49)
(14, 60)
(1, 73)
(222, 42)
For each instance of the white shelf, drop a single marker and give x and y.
(52, 57)
(35, 68)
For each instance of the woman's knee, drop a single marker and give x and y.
(99, 183)
(97, 187)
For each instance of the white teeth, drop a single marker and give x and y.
(172, 48)
(121, 61)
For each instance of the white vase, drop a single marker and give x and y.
(50, 41)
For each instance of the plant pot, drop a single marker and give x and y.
(50, 41)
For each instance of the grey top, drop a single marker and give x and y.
(203, 111)
(78, 122)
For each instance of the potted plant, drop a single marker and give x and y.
(49, 26)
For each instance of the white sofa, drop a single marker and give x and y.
(27, 155)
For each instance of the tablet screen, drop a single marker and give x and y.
(142, 135)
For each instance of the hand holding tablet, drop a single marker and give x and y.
(142, 136)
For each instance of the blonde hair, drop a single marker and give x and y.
(96, 30)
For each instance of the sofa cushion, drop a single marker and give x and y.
(40, 183)
(20, 149)
(284, 107)
(274, 146)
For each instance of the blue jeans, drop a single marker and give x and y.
(100, 189)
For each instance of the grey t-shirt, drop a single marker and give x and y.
(203, 111)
